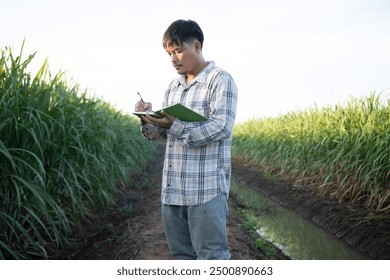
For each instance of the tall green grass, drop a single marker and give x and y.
(344, 150)
(61, 156)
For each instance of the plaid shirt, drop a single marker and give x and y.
(197, 166)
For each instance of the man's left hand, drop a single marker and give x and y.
(164, 122)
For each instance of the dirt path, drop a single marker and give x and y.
(132, 228)
(139, 235)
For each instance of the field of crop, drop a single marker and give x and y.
(62, 155)
(343, 150)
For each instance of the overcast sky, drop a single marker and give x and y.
(284, 55)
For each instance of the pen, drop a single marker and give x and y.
(141, 97)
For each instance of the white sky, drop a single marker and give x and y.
(284, 55)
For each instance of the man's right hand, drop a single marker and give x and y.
(143, 106)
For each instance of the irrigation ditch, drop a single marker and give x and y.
(365, 234)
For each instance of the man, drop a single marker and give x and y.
(197, 165)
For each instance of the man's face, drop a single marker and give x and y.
(184, 58)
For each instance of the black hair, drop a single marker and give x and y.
(182, 31)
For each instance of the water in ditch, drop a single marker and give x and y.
(296, 236)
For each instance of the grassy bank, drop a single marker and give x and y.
(343, 150)
(61, 156)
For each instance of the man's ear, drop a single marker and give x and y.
(197, 45)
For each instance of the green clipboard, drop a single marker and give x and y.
(177, 110)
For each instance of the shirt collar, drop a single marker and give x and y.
(201, 77)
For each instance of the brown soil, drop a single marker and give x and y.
(132, 228)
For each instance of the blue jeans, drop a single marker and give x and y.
(197, 232)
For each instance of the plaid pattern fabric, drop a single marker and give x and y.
(197, 165)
